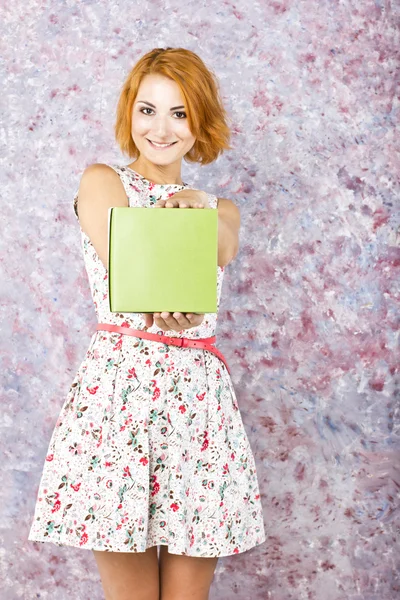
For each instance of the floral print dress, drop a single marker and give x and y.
(149, 447)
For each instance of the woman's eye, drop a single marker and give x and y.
(176, 113)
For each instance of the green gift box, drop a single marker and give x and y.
(162, 259)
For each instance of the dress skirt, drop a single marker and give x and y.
(149, 449)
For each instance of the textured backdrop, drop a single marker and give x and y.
(309, 318)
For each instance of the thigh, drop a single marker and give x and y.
(129, 575)
(185, 577)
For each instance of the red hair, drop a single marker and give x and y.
(206, 115)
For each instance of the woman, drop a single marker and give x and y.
(149, 448)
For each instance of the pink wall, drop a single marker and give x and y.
(309, 315)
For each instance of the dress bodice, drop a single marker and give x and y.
(141, 193)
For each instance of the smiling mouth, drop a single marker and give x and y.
(160, 146)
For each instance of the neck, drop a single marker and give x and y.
(169, 174)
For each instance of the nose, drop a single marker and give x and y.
(160, 126)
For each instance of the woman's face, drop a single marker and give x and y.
(159, 115)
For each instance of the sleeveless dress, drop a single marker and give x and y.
(149, 447)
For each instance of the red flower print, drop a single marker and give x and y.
(128, 420)
(84, 539)
(125, 324)
(205, 445)
(182, 408)
(143, 460)
(132, 373)
(156, 486)
(118, 344)
(200, 396)
(174, 507)
(156, 393)
(76, 487)
(56, 506)
(127, 472)
(50, 457)
(236, 551)
(92, 390)
(225, 469)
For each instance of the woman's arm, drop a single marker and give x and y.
(100, 188)
(228, 231)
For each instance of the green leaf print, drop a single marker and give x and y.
(94, 463)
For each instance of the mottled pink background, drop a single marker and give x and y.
(309, 318)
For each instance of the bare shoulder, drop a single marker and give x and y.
(100, 172)
(228, 209)
(100, 187)
(99, 183)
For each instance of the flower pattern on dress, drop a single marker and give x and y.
(149, 446)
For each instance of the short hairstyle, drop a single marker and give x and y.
(207, 118)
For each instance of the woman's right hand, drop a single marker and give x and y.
(176, 321)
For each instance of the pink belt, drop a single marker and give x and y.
(201, 343)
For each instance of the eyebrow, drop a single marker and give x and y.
(152, 105)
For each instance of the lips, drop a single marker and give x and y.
(163, 147)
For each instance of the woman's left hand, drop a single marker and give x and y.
(178, 321)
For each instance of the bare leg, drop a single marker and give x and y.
(129, 575)
(185, 577)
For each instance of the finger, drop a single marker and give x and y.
(178, 204)
(148, 319)
(173, 323)
(160, 322)
(195, 318)
(168, 321)
(182, 320)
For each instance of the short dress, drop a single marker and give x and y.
(149, 447)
